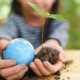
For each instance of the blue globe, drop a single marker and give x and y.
(19, 50)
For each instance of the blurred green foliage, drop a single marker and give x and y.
(69, 8)
(5, 8)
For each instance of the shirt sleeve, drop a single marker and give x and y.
(59, 30)
(9, 29)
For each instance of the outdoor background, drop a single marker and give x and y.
(70, 9)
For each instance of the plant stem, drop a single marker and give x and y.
(43, 29)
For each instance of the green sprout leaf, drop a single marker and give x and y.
(35, 7)
(46, 14)
(55, 16)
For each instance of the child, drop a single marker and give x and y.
(26, 23)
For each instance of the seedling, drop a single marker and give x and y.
(45, 15)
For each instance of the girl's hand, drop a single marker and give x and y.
(46, 68)
(10, 71)
(8, 68)
(3, 44)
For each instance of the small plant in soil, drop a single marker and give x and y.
(46, 53)
(45, 15)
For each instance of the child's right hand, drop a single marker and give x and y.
(8, 68)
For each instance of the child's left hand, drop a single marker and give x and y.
(46, 68)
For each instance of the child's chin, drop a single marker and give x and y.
(35, 14)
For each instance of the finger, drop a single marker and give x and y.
(35, 70)
(6, 63)
(53, 68)
(41, 67)
(18, 75)
(12, 70)
(61, 57)
(3, 44)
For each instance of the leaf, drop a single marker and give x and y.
(35, 7)
(56, 16)
(46, 14)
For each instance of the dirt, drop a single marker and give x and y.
(45, 54)
(48, 54)
(51, 55)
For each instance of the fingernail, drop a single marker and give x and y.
(37, 61)
(26, 68)
(46, 63)
(32, 65)
(23, 65)
(13, 62)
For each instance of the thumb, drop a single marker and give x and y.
(61, 56)
(3, 44)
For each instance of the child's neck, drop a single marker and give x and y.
(33, 21)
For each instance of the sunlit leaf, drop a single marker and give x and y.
(35, 7)
(55, 16)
